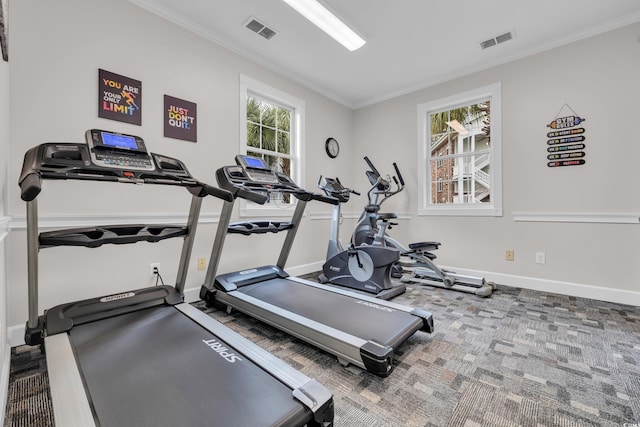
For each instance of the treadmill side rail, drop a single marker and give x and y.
(427, 318)
(69, 400)
(308, 391)
(377, 358)
(344, 345)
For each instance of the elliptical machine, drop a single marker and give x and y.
(416, 264)
(366, 267)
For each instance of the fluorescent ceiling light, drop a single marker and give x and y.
(327, 22)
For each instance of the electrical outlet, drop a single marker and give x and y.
(202, 263)
(154, 268)
(540, 258)
(510, 255)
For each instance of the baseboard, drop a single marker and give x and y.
(15, 335)
(619, 296)
(4, 381)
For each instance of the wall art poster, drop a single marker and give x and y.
(180, 119)
(119, 98)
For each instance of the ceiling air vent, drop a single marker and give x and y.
(259, 28)
(496, 40)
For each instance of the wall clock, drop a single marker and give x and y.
(332, 147)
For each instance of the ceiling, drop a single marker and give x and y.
(411, 44)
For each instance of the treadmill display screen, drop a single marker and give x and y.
(256, 163)
(125, 142)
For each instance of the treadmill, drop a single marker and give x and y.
(145, 357)
(358, 329)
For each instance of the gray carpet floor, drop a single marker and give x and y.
(517, 358)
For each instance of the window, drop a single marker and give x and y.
(271, 127)
(460, 147)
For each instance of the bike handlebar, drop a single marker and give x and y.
(332, 190)
(373, 168)
(382, 185)
(395, 166)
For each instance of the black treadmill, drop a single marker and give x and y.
(145, 357)
(358, 329)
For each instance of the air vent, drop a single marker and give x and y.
(496, 40)
(259, 28)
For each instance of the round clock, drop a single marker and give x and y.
(332, 147)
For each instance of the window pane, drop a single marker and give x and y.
(284, 119)
(460, 155)
(438, 122)
(284, 145)
(268, 115)
(268, 139)
(253, 135)
(269, 136)
(253, 110)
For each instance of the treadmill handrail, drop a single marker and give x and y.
(234, 179)
(71, 161)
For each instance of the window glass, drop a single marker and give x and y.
(461, 148)
(273, 123)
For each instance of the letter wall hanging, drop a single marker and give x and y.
(566, 140)
(119, 98)
(180, 119)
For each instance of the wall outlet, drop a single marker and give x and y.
(202, 263)
(510, 255)
(541, 258)
(154, 268)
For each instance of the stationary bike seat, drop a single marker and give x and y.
(387, 215)
(424, 246)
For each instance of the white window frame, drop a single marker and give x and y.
(248, 87)
(494, 207)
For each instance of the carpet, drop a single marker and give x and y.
(517, 358)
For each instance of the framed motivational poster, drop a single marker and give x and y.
(180, 119)
(119, 98)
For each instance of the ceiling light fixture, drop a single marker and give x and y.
(327, 22)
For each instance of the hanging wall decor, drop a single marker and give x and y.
(119, 98)
(566, 140)
(180, 119)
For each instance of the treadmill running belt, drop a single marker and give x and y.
(156, 367)
(337, 311)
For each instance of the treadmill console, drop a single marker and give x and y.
(118, 150)
(257, 169)
(252, 179)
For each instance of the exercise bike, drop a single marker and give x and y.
(366, 267)
(416, 264)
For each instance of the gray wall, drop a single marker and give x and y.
(57, 48)
(597, 78)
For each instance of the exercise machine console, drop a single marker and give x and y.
(145, 357)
